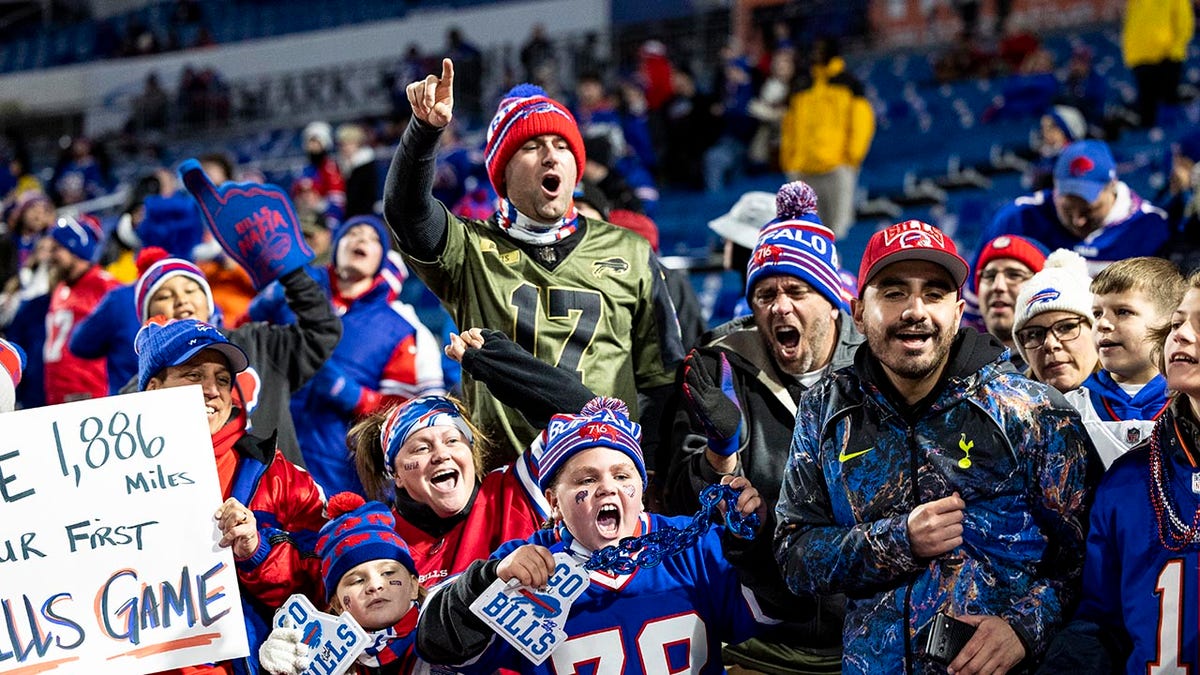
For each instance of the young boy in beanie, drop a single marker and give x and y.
(272, 510)
(367, 571)
(576, 292)
(82, 283)
(591, 469)
(1120, 402)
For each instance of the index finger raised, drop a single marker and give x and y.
(447, 71)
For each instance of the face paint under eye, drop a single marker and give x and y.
(411, 466)
(629, 490)
(580, 496)
(396, 582)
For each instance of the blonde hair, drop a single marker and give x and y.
(1157, 335)
(1157, 278)
(366, 450)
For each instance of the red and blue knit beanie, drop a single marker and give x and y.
(526, 112)
(795, 243)
(602, 423)
(78, 234)
(160, 272)
(358, 531)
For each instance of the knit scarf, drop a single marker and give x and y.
(525, 229)
(1112, 404)
(393, 644)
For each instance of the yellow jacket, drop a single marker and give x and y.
(1156, 30)
(827, 125)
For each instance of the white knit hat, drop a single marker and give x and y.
(1062, 285)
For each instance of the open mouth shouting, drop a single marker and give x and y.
(914, 337)
(787, 337)
(445, 480)
(551, 182)
(608, 521)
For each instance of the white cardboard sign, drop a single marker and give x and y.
(108, 549)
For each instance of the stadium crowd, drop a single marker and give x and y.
(977, 461)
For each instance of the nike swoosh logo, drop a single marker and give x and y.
(843, 455)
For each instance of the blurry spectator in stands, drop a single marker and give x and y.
(769, 106)
(739, 230)
(18, 176)
(589, 55)
(108, 332)
(826, 134)
(356, 158)
(232, 288)
(386, 355)
(656, 73)
(1003, 266)
(599, 172)
(1182, 206)
(1089, 211)
(635, 124)
(119, 256)
(468, 78)
(725, 159)
(691, 127)
(80, 172)
(965, 58)
(537, 52)
(81, 285)
(151, 108)
(1082, 87)
(410, 68)
(1058, 128)
(322, 170)
(1017, 45)
(317, 235)
(604, 127)
(1154, 42)
(203, 97)
(30, 218)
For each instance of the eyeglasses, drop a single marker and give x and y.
(1065, 330)
(1012, 276)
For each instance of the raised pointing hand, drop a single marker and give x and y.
(432, 99)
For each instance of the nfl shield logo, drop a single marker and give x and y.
(1133, 435)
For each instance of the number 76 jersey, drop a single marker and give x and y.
(1131, 581)
(594, 304)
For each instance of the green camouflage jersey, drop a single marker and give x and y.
(603, 312)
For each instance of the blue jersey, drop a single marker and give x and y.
(1131, 581)
(671, 618)
(1135, 228)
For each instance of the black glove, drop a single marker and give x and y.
(712, 402)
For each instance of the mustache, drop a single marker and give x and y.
(925, 327)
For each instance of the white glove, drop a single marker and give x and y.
(283, 652)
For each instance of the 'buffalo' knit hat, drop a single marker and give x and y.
(158, 273)
(358, 531)
(1063, 285)
(526, 112)
(602, 423)
(796, 243)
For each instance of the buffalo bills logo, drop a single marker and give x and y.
(249, 385)
(915, 240)
(594, 431)
(1044, 295)
(613, 265)
(1080, 166)
(542, 606)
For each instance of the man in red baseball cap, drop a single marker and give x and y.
(1001, 270)
(915, 472)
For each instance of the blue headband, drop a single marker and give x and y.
(417, 414)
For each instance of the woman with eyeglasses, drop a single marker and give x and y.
(1053, 325)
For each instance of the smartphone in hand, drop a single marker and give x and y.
(947, 637)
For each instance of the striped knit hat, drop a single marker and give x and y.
(158, 273)
(796, 243)
(602, 423)
(526, 112)
(358, 531)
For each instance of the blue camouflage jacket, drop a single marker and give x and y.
(1015, 451)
